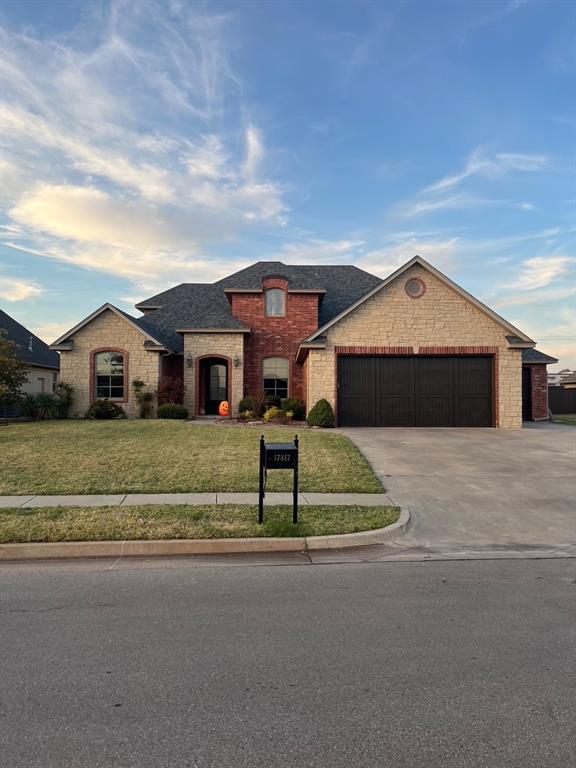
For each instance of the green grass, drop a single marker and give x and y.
(566, 418)
(71, 457)
(183, 522)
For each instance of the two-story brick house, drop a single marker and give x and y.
(414, 349)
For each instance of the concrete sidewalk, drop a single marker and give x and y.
(195, 499)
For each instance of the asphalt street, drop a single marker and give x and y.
(168, 664)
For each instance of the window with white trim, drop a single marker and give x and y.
(275, 302)
(275, 374)
(109, 372)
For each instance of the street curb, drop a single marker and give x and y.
(176, 547)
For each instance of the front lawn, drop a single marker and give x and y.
(50, 524)
(566, 418)
(71, 457)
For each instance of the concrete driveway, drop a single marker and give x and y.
(479, 488)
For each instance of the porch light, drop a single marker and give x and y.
(189, 360)
(236, 361)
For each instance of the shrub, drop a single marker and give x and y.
(276, 415)
(298, 407)
(29, 406)
(144, 399)
(64, 399)
(172, 411)
(271, 401)
(105, 409)
(45, 406)
(321, 415)
(255, 403)
(245, 415)
(171, 390)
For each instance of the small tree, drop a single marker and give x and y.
(13, 371)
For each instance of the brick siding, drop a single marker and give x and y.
(539, 380)
(275, 336)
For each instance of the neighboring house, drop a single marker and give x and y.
(555, 379)
(569, 382)
(411, 350)
(43, 363)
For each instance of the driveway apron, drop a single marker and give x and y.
(479, 487)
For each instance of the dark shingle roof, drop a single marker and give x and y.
(535, 356)
(182, 308)
(201, 305)
(344, 284)
(40, 354)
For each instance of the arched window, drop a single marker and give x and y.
(275, 302)
(109, 372)
(275, 373)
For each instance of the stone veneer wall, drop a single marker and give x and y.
(107, 331)
(197, 345)
(441, 318)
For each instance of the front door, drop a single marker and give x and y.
(215, 381)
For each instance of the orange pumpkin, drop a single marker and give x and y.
(224, 409)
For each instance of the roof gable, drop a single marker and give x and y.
(522, 337)
(107, 307)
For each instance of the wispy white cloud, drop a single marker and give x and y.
(543, 270)
(12, 289)
(492, 167)
(454, 202)
(111, 182)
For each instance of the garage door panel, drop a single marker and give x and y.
(473, 376)
(435, 411)
(473, 411)
(394, 412)
(428, 391)
(434, 376)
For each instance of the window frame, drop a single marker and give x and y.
(267, 390)
(280, 291)
(94, 375)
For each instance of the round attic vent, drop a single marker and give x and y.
(415, 287)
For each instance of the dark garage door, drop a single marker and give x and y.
(414, 391)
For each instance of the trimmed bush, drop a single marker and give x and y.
(172, 411)
(105, 409)
(298, 407)
(321, 415)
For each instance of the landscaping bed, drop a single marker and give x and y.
(156, 456)
(57, 524)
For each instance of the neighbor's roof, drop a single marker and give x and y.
(535, 356)
(40, 354)
(570, 379)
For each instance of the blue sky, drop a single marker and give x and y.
(156, 142)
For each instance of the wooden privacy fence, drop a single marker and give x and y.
(561, 400)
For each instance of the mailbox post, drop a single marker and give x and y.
(278, 456)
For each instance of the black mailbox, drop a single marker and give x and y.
(278, 456)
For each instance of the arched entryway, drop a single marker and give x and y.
(213, 384)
